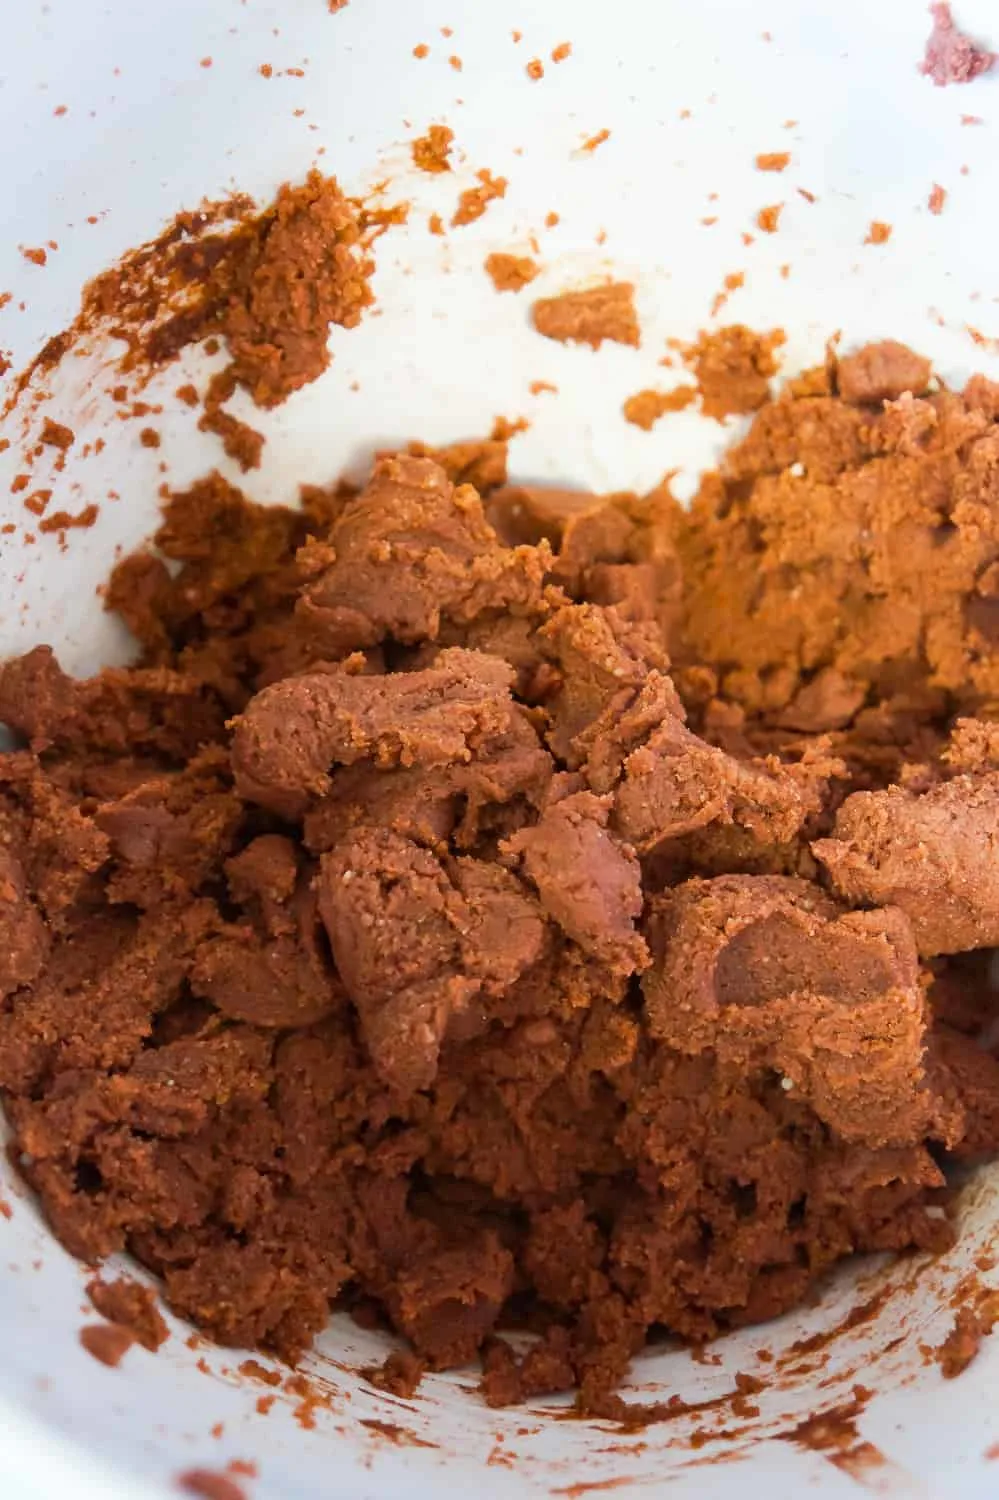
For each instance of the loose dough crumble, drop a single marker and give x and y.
(605, 311)
(503, 906)
(510, 273)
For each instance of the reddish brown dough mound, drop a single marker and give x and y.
(542, 902)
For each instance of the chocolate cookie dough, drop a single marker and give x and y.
(523, 907)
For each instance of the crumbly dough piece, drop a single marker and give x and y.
(590, 316)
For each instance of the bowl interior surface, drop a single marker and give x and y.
(112, 115)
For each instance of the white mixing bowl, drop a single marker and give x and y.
(690, 94)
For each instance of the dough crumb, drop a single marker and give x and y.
(733, 367)
(106, 1342)
(431, 151)
(400, 1374)
(56, 435)
(590, 316)
(732, 283)
(962, 1345)
(240, 442)
(37, 502)
(252, 1369)
(62, 520)
(593, 141)
(646, 407)
(510, 273)
(474, 201)
(208, 1483)
(131, 1306)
